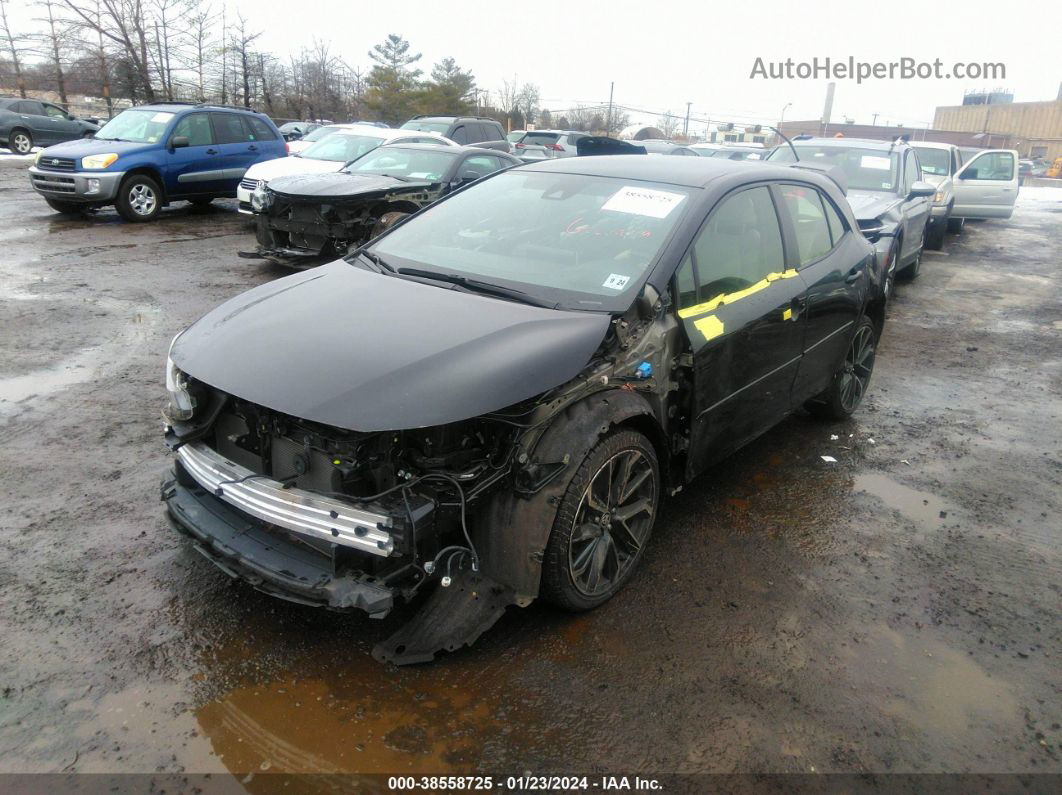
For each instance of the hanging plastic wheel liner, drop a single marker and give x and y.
(453, 616)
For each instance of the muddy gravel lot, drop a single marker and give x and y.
(895, 611)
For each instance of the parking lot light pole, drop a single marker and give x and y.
(686, 126)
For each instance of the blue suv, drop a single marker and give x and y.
(151, 155)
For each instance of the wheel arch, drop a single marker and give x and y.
(150, 171)
(511, 531)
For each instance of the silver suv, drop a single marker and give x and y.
(544, 144)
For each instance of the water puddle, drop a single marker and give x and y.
(924, 509)
(372, 720)
(929, 684)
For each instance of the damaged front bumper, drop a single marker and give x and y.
(270, 560)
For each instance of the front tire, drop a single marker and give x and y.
(935, 235)
(21, 142)
(386, 221)
(603, 523)
(844, 394)
(66, 208)
(955, 225)
(910, 273)
(139, 199)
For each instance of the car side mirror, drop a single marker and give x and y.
(468, 176)
(921, 189)
(968, 173)
(292, 136)
(179, 142)
(92, 120)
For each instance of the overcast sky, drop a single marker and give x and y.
(663, 55)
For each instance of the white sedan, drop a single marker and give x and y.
(330, 153)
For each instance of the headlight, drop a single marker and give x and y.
(37, 157)
(182, 403)
(99, 161)
(939, 197)
(261, 198)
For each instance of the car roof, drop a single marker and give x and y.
(932, 145)
(863, 143)
(690, 172)
(453, 150)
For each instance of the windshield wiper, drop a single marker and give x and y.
(477, 286)
(377, 261)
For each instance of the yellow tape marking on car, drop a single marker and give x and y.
(729, 298)
(787, 314)
(711, 327)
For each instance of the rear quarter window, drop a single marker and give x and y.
(258, 130)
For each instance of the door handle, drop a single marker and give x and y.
(211, 151)
(253, 148)
(854, 274)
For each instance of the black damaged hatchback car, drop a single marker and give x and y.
(488, 403)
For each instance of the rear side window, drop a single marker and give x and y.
(228, 128)
(739, 245)
(258, 129)
(196, 128)
(30, 108)
(804, 206)
(837, 225)
(460, 134)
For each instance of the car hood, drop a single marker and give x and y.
(285, 166)
(935, 180)
(867, 204)
(341, 184)
(368, 352)
(83, 147)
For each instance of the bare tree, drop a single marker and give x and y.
(53, 41)
(125, 23)
(668, 124)
(12, 43)
(527, 102)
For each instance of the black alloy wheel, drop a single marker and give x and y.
(604, 522)
(844, 394)
(858, 367)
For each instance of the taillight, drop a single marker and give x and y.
(555, 147)
(520, 146)
(287, 148)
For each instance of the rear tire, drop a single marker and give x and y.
(603, 524)
(20, 142)
(66, 208)
(844, 394)
(139, 199)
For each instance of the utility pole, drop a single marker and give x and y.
(686, 126)
(874, 122)
(608, 119)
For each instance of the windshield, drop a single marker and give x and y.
(578, 241)
(427, 126)
(321, 132)
(934, 161)
(138, 126)
(410, 163)
(866, 169)
(341, 148)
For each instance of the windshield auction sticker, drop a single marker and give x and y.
(643, 201)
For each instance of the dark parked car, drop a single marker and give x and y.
(302, 218)
(297, 130)
(490, 401)
(465, 130)
(886, 191)
(26, 123)
(151, 155)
